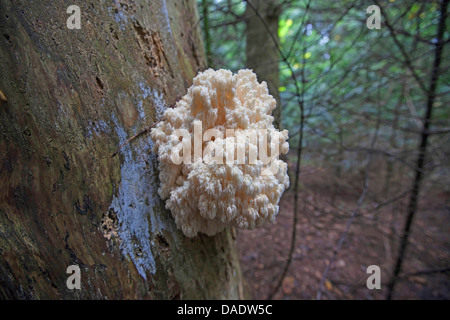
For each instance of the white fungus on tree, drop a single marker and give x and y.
(207, 196)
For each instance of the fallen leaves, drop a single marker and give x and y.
(328, 285)
(288, 285)
(347, 279)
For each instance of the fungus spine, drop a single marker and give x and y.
(222, 116)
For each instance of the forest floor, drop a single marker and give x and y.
(372, 239)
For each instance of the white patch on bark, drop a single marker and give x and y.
(135, 200)
(157, 99)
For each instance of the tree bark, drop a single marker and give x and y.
(71, 97)
(261, 51)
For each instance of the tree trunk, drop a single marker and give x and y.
(261, 51)
(71, 97)
(207, 34)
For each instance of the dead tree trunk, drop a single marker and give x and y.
(69, 98)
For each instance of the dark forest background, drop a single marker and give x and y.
(368, 117)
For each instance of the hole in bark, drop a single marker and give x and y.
(162, 241)
(99, 82)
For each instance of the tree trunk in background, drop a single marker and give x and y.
(73, 96)
(262, 54)
(207, 35)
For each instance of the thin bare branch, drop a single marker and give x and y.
(412, 206)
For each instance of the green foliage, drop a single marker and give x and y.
(227, 32)
(354, 81)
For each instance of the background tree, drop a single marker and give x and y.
(262, 19)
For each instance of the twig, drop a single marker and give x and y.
(297, 175)
(206, 31)
(355, 211)
(406, 57)
(353, 215)
(300, 100)
(344, 234)
(145, 129)
(413, 201)
(135, 136)
(426, 272)
(299, 30)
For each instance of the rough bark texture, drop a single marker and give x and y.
(73, 96)
(261, 52)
